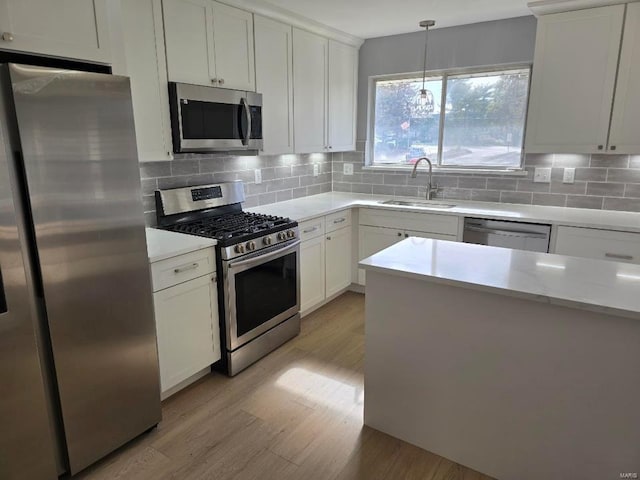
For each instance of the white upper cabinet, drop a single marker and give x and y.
(188, 32)
(343, 86)
(209, 43)
(325, 85)
(625, 133)
(76, 29)
(310, 59)
(233, 42)
(146, 66)
(573, 82)
(274, 80)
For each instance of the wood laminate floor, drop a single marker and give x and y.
(296, 414)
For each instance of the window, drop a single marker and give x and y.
(468, 120)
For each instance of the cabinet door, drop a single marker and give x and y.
(373, 239)
(76, 29)
(312, 277)
(310, 91)
(188, 33)
(274, 80)
(624, 136)
(338, 261)
(233, 42)
(187, 328)
(147, 68)
(600, 244)
(343, 85)
(574, 73)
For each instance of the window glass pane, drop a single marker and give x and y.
(484, 119)
(406, 125)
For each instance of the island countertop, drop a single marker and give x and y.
(595, 285)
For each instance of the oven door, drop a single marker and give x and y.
(207, 119)
(261, 291)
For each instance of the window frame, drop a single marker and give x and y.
(444, 74)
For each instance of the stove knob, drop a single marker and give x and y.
(251, 246)
(267, 240)
(282, 236)
(291, 234)
(239, 248)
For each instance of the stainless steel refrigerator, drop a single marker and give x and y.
(78, 355)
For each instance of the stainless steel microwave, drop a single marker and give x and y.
(210, 119)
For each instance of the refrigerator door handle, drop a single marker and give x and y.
(3, 297)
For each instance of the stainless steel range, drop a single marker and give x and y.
(258, 262)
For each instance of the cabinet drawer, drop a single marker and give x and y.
(312, 228)
(337, 220)
(600, 244)
(420, 222)
(175, 270)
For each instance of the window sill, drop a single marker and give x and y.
(450, 170)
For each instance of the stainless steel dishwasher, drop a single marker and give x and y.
(517, 235)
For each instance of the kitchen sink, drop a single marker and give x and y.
(425, 204)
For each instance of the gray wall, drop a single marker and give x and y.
(488, 43)
(283, 176)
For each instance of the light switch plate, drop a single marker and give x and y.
(347, 169)
(258, 175)
(542, 175)
(316, 169)
(569, 175)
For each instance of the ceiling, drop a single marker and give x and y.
(378, 18)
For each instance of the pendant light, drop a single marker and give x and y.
(423, 91)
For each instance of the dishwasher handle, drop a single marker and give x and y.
(506, 233)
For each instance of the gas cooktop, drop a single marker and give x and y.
(232, 228)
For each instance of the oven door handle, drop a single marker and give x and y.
(266, 257)
(247, 114)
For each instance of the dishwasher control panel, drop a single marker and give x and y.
(533, 237)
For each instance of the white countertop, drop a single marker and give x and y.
(597, 285)
(305, 208)
(162, 244)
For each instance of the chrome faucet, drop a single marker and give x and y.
(431, 189)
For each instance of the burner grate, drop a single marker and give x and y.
(234, 226)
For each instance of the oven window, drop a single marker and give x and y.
(207, 120)
(265, 291)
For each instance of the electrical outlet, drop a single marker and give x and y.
(258, 174)
(316, 169)
(569, 175)
(347, 169)
(542, 175)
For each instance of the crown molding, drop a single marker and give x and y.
(265, 9)
(545, 7)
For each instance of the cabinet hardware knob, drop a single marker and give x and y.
(613, 147)
(328, 238)
(399, 234)
(221, 81)
(600, 147)
(214, 80)
(406, 235)
(7, 36)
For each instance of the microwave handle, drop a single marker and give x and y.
(247, 113)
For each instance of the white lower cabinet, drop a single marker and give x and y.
(312, 273)
(325, 258)
(599, 244)
(380, 229)
(186, 320)
(338, 261)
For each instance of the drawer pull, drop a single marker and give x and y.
(193, 266)
(618, 256)
(340, 220)
(309, 230)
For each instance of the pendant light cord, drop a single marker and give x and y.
(424, 64)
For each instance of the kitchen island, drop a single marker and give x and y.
(520, 365)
